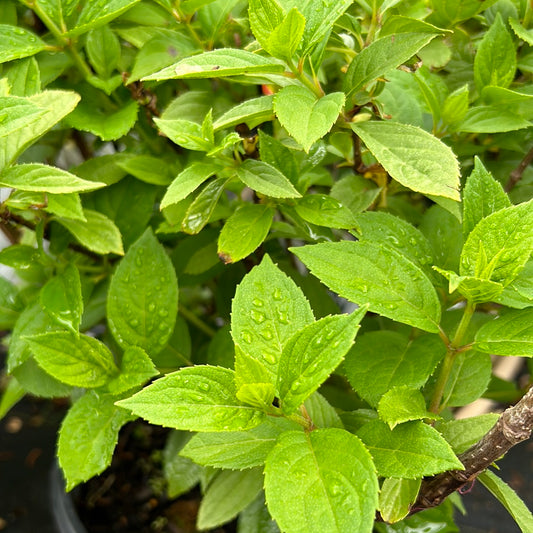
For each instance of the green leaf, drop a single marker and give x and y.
(180, 472)
(147, 168)
(201, 209)
(455, 106)
(24, 77)
(12, 393)
(451, 12)
(474, 289)
(323, 414)
(228, 494)
(324, 210)
(136, 368)
(381, 360)
(510, 334)
(52, 107)
(88, 436)
(97, 233)
(285, 38)
(495, 60)
(482, 196)
(306, 117)
(143, 296)
(98, 12)
(381, 56)
(519, 293)
(309, 488)
(265, 179)
(499, 246)
(61, 298)
(267, 309)
(81, 362)
(256, 518)
(402, 404)
(10, 304)
(396, 497)
(237, 449)
(465, 432)
(509, 499)
(103, 50)
(244, 231)
(312, 354)
(65, 206)
(218, 64)
(375, 274)
(185, 133)
(491, 119)
(259, 395)
(382, 227)
(355, 192)
(276, 153)
(16, 114)
(433, 171)
(199, 398)
(411, 450)
(264, 16)
(17, 42)
(187, 181)
(250, 112)
(521, 32)
(36, 177)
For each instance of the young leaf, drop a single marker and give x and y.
(264, 17)
(61, 298)
(238, 449)
(136, 368)
(250, 112)
(146, 168)
(436, 172)
(402, 404)
(509, 499)
(474, 289)
(143, 296)
(267, 309)
(381, 56)
(185, 133)
(306, 117)
(500, 245)
(199, 398)
(482, 196)
(88, 436)
(491, 119)
(322, 413)
(103, 50)
(465, 432)
(309, 488)
(381, 360)
(81, 362)
(265, 179)
(519, 293)
(285, 38)
(495, 60)
(24, 77)
(17, 42)
(510, 334)
(10, 304)
(324, 210)
(65, 206)
(455, 106)
(244, 231)
(228, 494)
(277, 154)
(187, 181)
(411, 450)
(97, 233)
(312, 354)
(396, 497)
(217, 64)
(374, 274)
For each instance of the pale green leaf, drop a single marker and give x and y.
(266, 179)
(217, 64)
(88, 436)
(17, 113)
(185, 133)
(433, 171)
(82, 362)
(381, 360)
(509, 499)
(474, 289)
(61, 298)
(491, 119)
(519, 293)
(305, 116)
(309, 488)
(65, 206)
(228, 494)
(24, 77)
(17, 42)
(286, 37)
(147, 168)
(411, 450)
(136, 368)
(312, 354)
(375, 274)
(244, 231)
(37, 177)
(97, 232)
(465, 432)
(396, 498)
(264, 17)
(143, 296)
(510, 334)
(199, 398)
(402, 404)
(250, 112)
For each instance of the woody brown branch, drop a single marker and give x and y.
(514, 425)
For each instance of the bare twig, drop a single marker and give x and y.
(516, 174)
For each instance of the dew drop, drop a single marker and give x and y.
(257, 302)
(364, 288)
(151, 307)
(277, 295)
(246, 336)
(134, 323)
(391, 306)
(139, 261)
(282, 317)
(257, 316)
(318, 341)
(204, 387)
(269, 358)
(267, 334)
(162, 313)
(330, 334)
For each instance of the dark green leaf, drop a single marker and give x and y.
(181, 473)
(251, 112)
(324, 210)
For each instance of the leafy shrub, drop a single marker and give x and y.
(225, 144)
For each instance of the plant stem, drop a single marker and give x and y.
(516, 174)
(453, 349)
(193, 319)
(301, 76)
